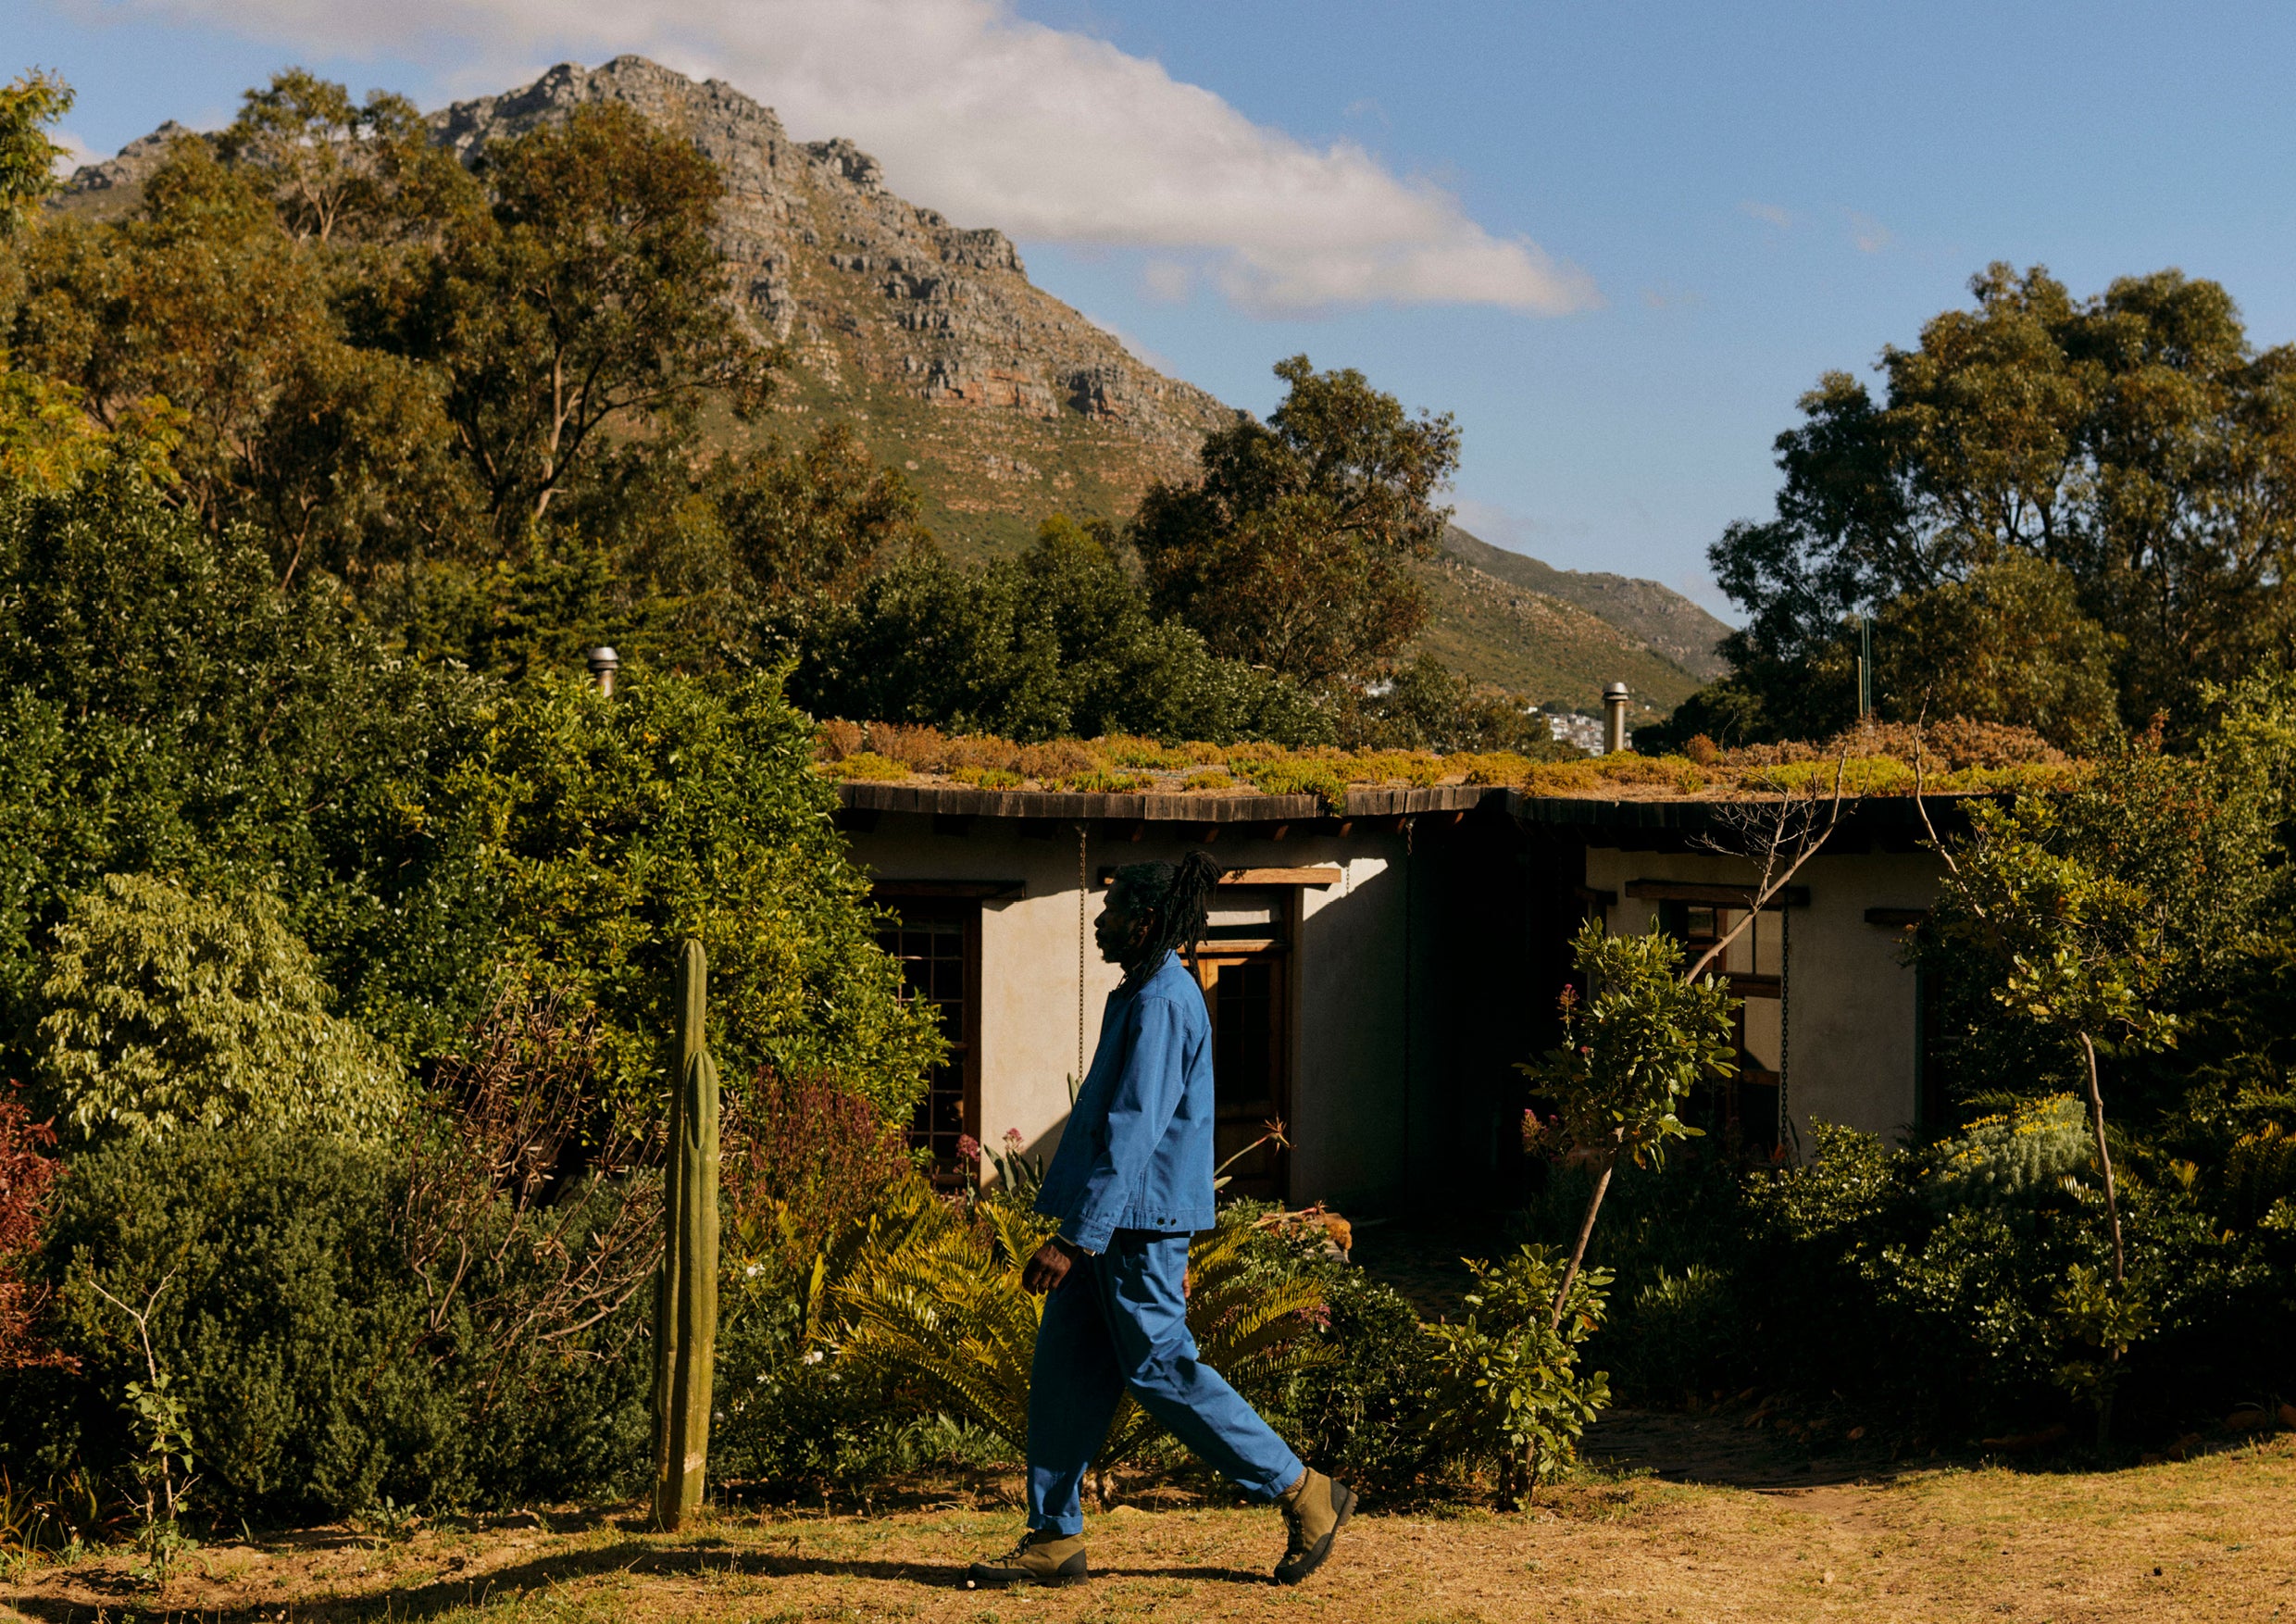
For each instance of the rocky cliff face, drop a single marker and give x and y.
(886, 305)
(112, 189)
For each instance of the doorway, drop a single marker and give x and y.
(1243, 964)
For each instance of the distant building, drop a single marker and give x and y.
(1572, 728)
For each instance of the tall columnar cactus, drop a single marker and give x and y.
(685, 1324)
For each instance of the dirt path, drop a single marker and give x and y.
(2205, 1540)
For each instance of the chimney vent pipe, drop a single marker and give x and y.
(603, 663)
(1614, 718)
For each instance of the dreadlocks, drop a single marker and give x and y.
(1172, 898)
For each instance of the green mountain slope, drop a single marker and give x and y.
(1668, 622)
(1542, 646)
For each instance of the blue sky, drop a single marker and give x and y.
(1616, 240)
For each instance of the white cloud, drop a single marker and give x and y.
(995, 120)
(1166, 280)
(75, 153)
(1868, 233)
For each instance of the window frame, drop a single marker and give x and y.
(898, 907)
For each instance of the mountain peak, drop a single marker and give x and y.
(867, 288)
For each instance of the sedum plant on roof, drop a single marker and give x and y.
(1878, 761)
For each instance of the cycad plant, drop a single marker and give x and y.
(942, 1310)
(936, 1303)
(1256, 1330)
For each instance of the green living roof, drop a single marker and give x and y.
(1956, 758)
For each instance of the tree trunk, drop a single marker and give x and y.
(2104, 1161)
(1579, 1252)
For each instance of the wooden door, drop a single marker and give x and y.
(1248, 993)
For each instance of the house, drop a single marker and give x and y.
(1374, 965)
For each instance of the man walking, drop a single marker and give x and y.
(1132, 1180)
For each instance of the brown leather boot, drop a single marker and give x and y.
(1042, 1557)
(1315, 1509)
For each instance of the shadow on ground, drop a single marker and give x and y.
(1718, 1447)
(701, 1560)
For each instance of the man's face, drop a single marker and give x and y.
(1120, 930)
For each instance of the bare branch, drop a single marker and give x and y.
(143, 1321)
(1921, 762)
(1781, 836)
(525, 1207)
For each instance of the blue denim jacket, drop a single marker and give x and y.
(1137, 1153)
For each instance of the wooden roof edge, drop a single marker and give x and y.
(1400, 800)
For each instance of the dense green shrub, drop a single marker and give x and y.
(167, 708)
(320, 1372)
(1675, 1239)
(791, 1419)
(611, 829)
(1363, 1414)
(1920, 1289)
(1511, 1391)
(166, 1011)
(1681, 1335)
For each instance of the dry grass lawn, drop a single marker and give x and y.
(2209, 1538)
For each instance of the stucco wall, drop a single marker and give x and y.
(1850, 1005)
(1348, 1036)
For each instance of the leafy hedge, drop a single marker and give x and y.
(318, 1378)
(605, 831)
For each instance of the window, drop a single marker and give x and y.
(938, 941)
(1743, 1112)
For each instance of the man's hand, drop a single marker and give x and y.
(1049, 1265)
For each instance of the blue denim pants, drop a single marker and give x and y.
(1119, 1321)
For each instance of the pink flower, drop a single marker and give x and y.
(1012, 1138)
(968, 1147)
